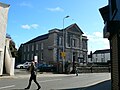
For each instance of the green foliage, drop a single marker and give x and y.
(13, 48)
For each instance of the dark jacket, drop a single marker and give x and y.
(33, 70)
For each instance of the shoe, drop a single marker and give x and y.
(38, 88)
(26, 88)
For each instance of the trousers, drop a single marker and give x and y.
(33, 77)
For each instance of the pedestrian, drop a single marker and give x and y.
(76, 70)
(33, 70)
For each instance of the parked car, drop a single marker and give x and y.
(24, 65)
(45, 68)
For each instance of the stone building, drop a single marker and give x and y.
(48, 48)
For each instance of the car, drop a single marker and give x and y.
(45, 68)
(24, 65)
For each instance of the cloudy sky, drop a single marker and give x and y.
(28, 19)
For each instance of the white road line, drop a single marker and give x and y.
(7, 86)
(50, 80)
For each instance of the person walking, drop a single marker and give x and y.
(33, 70)
(76, 70)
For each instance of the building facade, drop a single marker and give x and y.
(3, 24)
(111, 17)
(100, 56)
(48, 48)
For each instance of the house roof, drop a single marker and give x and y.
(45, 36)
(102, 51)
(39, 38)
(74, 25)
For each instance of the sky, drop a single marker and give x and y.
(28, 19)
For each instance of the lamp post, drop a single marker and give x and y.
(63, 52)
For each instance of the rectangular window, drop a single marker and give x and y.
(28, 57)
(83, 44)
(36, 46)
(102, 60)
(24, 48)
(41, 46)
(96, 59)
(68, 40)
(41, 55)
(28, 48)
(32, 47)
(102, 57)
(80, 42)
(60, 41)
(32, 57)
(74, 42)
(24, 57)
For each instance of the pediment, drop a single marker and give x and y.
(74, 28)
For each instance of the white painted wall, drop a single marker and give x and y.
(9, 61)
(3, 24)
(101, 57)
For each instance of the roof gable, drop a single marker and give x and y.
(74, 27)
(39, 38)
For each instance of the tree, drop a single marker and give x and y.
(12, 46)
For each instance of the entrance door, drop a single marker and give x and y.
(74, 57)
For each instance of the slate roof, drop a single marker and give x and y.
(39, 38)
(74, 25)
(102, 51)
(45, 36)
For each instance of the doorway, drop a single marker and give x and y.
(74, 59)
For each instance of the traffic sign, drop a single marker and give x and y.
(63, 54)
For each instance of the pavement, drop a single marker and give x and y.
(101, 85)
(106, 85)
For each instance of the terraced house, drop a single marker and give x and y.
(48, 48)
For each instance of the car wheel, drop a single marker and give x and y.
(21, 67)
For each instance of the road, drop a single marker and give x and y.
(65, 82)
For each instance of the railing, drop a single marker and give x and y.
(93, 69)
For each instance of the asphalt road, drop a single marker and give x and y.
(90, 81)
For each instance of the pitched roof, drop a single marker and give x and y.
(74, 25)
(42, 37)
(102, 51)
(45, 36)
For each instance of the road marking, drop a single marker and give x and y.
(50, 80)
(7, 86)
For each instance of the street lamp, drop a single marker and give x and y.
(63, 52)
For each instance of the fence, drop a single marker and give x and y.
(93, 69)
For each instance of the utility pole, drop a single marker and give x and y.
(63, 51)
